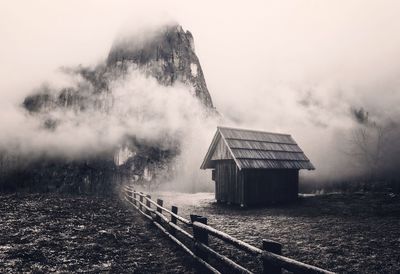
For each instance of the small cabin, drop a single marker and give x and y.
(254, 167)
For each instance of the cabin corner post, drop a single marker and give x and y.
(273, 247)
(200, 236)
(243, 202)
(297, 184)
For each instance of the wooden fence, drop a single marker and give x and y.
(270, 255)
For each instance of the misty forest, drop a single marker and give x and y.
(178, 137)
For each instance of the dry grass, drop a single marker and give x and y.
(340, 232)
(52, 233)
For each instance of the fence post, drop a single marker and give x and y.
(199, 235)
(148, 203)
(174, 209)
(141, 201)
(159, 210)
(273, 247)
(134, 197)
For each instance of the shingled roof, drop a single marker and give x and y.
(256, 149)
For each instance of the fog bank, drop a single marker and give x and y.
(297, 67)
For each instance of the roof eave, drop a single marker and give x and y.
(230, 150)
(206, 160)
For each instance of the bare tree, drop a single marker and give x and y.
(370, 143)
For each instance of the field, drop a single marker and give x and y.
(356, 233)
(52, 233)
(353, 233)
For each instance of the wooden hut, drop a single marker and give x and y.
(254, 167)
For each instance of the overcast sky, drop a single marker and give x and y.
(241, 44)
(288, 66)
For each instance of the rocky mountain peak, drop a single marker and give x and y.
(168, 54)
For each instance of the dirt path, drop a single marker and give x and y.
(47, 233)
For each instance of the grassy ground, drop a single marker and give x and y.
(347, 233)
(52, 233)
(352, 233)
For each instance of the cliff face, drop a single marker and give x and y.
(167, 54)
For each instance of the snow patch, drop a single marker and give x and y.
(193, 69)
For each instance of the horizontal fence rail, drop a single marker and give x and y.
(198, 248)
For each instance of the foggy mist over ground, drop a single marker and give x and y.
(303, 68)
